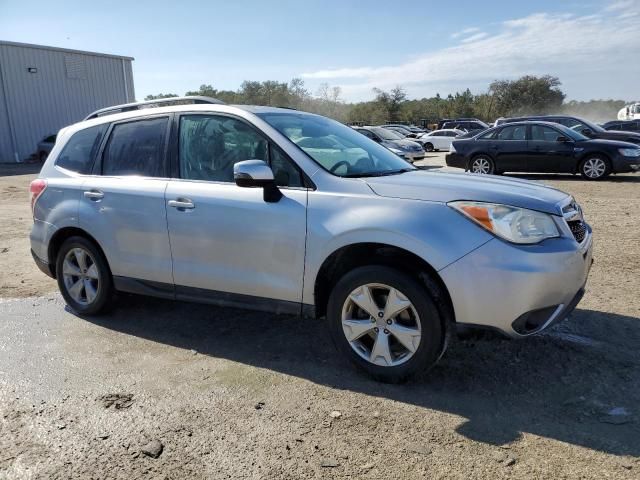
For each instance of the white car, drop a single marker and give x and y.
(439, 139)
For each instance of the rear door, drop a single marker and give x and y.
(122, 203)
(508, 147)
(547, 154)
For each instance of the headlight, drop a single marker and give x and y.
(397, 151)
(629, 152)
(517, 225)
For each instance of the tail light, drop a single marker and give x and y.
(35, 189)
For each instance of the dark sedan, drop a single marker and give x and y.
(580, 125)
(542, 147)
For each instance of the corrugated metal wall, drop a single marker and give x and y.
(66, 87)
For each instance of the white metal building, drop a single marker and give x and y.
(43, 89)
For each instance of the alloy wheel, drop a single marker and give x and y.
(594, 167)
(81, 276)
(381, 325)
(481, 165)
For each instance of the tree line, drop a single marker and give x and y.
(528, 95)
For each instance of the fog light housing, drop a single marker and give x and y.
(534, 320)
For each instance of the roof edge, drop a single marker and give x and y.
(60, 49)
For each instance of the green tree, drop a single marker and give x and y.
(391, 101)
(527, 95)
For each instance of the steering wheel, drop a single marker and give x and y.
(338, 165)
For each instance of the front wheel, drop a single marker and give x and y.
(428, 147)
(386, 323)
(482, 165)
(594, 167)
(84, 277)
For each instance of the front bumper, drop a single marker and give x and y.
(498, 284)
(456, 160)
(626, 164)
(413, 156)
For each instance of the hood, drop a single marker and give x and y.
(610, 142)
(447, 187)
(620, 136)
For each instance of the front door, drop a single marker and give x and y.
(226, 241)
(547, 154)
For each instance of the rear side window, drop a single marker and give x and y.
(516, 132)
(79, 152)
(136, 148)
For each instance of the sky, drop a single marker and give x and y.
(427, 47)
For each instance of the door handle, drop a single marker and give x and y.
(181, 204)
(94, 195)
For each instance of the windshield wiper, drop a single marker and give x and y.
(379, 174)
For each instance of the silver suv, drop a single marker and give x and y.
(289, 212)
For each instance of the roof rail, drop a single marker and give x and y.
(128, 107)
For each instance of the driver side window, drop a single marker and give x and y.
(209, 146)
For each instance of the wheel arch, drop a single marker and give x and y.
(596, 153)
(59, 237)
(351, 256)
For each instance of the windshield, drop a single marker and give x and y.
(571, 133)
(593, 126)
(337, 148)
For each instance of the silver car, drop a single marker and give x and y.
(232, 205)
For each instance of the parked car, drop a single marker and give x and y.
(407, 149)
(542, 147)
(224, 204)
(585, 127)
(404, 132)
(45, 146)
(411, 128)
(438, 139)
(626, 126)
(471, 126)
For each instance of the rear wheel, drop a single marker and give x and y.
(483, 165)
(385, 323)
(83, 276)
(594, 167)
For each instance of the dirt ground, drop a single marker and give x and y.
(232, 394)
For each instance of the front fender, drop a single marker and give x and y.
(431, 230)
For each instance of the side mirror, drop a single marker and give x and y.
(257, 174)
(562, 138)
(586, 132)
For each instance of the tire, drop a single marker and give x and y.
(482, 164)
(42, 156)
(594, 167)
(428, 147)
(419, 325)
(95, 284)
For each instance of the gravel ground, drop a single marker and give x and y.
(222, 393)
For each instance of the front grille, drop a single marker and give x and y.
(579, 229)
